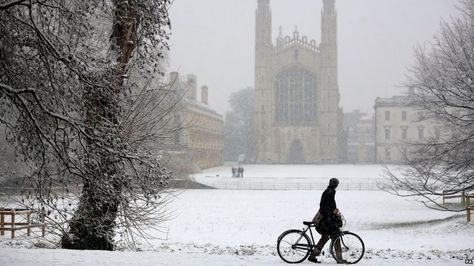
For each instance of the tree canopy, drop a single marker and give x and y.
(238, 129)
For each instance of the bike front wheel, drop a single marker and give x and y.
(347, 248)
(293, 246)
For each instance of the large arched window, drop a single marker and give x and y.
(295, 97)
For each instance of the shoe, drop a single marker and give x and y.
(343, 262)
(316, 252)
(313, 259)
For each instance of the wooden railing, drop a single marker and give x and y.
(451, 194)
(19, 219)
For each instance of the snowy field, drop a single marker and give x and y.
(295, 177)
(240, 227)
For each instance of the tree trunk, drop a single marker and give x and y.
(93, 224)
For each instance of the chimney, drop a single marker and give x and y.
(204, 94)
(191, 87)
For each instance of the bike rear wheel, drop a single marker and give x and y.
(293, 246)
(347, 248)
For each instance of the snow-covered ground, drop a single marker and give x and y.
(296, 177)
(240, 227)
(275, 172)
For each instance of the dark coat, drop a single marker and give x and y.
(327, 206)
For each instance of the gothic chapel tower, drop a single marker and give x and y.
(297, 117)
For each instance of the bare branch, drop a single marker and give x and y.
(5, 6)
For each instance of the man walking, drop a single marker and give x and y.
(328, 218)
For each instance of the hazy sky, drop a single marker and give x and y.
(215, 40)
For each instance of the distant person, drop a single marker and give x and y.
(328, 220)
(241, 171)
(234, 171)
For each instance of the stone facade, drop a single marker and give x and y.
(297, 118)
(399, 126)
(204, 137)
(360, 132)
(201, 140)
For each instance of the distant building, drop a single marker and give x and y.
(399, 126)
(201, 140)
(297, 114)
(360, 136)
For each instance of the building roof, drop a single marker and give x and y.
(203, 108)
(395, 101)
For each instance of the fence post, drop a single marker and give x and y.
(468, 208)
(28, 230)
(13, 223)
(2, 223)
(43, 219)
(463, 197)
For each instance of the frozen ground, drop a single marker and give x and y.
(240, 227)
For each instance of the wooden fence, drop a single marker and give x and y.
(467, 200)
(19, 219)
(454, 194)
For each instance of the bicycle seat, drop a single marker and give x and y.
(309, 223)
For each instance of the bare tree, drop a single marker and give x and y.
(443, 83)
(67, 103)
(239, 132)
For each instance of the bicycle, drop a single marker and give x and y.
(294, 246)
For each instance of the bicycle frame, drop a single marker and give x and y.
(313, 245)
(306, 247)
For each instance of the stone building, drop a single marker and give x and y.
(201, 140)
(360, 136)
(297, 117)
(399, 126)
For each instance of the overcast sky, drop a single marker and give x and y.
(215, 40)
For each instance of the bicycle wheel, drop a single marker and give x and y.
(350, 247)
(293, 246)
